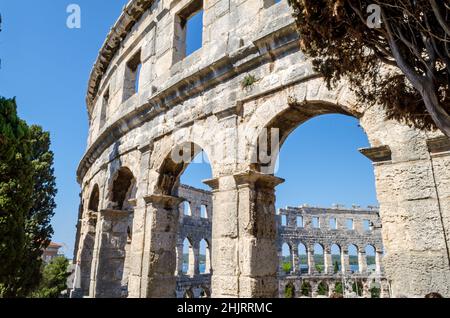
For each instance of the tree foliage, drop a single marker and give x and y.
(402, 64)
(54, 279)
(16, 189)
(27, 191)
(37, 223)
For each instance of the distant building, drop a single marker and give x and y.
(51, 252)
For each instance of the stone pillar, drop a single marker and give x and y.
(159, 280)
(345, 262)
(113, 238)
(413, 219)
(244, 251)
(366, 289)
(362, 262)
(378, 262)
(331, 287)
(314, 286)
(329, 268)
(195, 261)
(295, 260)
(180, 259)
(385, 289)
(86, 253)
(311, 262)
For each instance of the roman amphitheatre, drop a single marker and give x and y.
(152, 108)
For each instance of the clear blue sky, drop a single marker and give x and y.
(46, 66)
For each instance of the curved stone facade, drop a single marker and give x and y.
(295, 227)
(248, 78)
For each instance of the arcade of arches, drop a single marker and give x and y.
(141, 142)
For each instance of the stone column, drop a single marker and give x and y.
(314, 286)
(362, 262)
(86, 254)
(414, 227)
(244, 252)
(366, 289)
(280, 262)
(195, 271)
(384, 286)
(180, 259)
(295, 260)
(159, 280)
(111, 254)
(345, 262)
(311, 262)
(329, 268)
(378, 262)
(331, 287)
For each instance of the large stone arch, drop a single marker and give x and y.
(166, 164)
(115, 234)
(396, 150)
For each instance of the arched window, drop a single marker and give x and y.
(204, 262)
(336, 258)
(185, 208)
(303, 259)
(286, 259)
(306, 289)
(319, 258)
(94, 199)
(203, 211)
(370, 258)
(322, 289)
(353, 258)
(122, 188)
(188, 257)
(289, 290)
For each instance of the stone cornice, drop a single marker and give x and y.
(281, 41)
(167, 201)
(377, 154)
(438, 145)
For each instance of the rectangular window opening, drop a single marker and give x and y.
(316, 222)
(366, 225)
(333, 224)
(300, 221)
(104, 109)
(189, 30)
(350, 225)
(132, 76)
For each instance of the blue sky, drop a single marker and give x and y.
(46, 66)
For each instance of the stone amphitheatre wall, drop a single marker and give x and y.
(249, 77)
(297, 228)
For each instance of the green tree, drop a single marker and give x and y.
(305, 289)
(336, 267)
(287, 267)
(394, 53)
(322, 289)
(339, 288)
(289, 291)
(16, 189)
(37, 224)
(319, 268)
(54, 279)
(27, 191)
